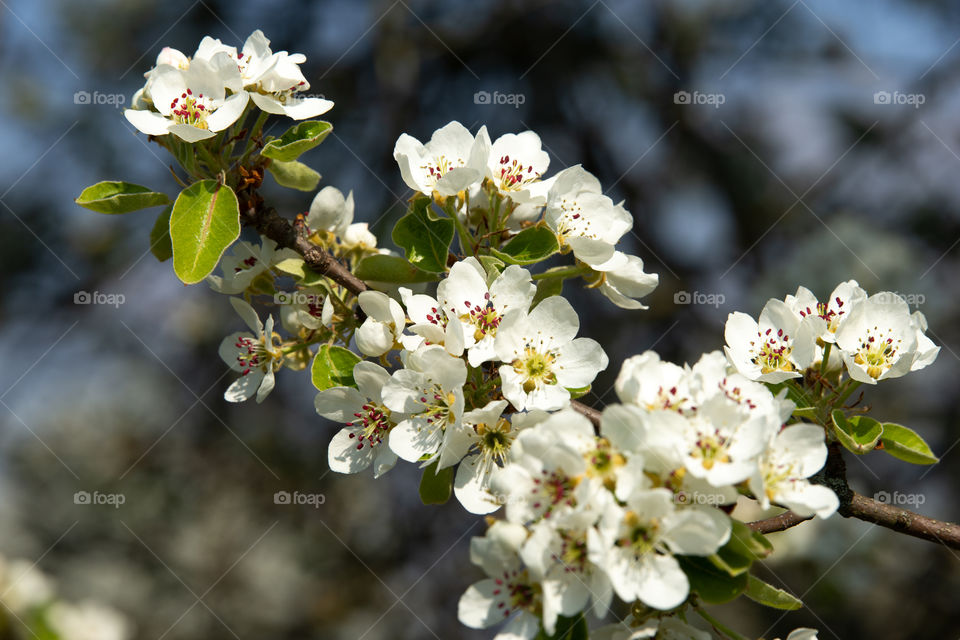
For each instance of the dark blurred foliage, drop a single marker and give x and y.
(799, 177)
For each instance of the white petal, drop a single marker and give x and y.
(149, 122)
(244, 387)
(339, 403)
(190, 133)
(343, 455)
(229, 112)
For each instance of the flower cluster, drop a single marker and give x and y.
(502, 185)
(196, 97)
(590, 515)
(872, 337)
(467, 363)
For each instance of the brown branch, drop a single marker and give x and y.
(781, 522)
(901, 520)
(270, 224)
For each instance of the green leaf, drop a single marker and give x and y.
(160, 245)
(436, 488)
(394, 269)
(425, 241)
(292, 266)
(859, 434)
(807, 413)
(906, 444)
(493, 266)
(529, 246)
(742, 549)
(567, 629)
(746, 541)
(714, 585)
(294, 175)
(119, 197)
(333, 367)
(770, 596)
(546, 288)
(204, 222)
(296, 140)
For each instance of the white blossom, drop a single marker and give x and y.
(256, 356)
(368, 422)
(452, 161)
(542, 357)
(429, 391)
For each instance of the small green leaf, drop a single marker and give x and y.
(579, 392)
(425, 241)
(294, 175)
(436, 488)
(714, 585)
(160, 245)
(119, 197)
(529, 246)
(746, 541)
(333, 367)
(770, 596)
(204, 222)
(296, 140)
(859, 434)
(742, 549)
(906, 444)
(394, 269)
(807, 413)
(493, 266)
(292, 266)
(546, 288)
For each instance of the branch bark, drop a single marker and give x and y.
(270, 224)
(781, 522)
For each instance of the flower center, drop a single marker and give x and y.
(877, 352)
(514, 591)
(249, 263)
(551, 490)
(485, 319)
(257, 353)
(603, 462)
(710, 447)
(495, 441)
(640, 535)
(773, 353)
(191, 109)
(438, 409)
(513, 176)
(573, 222)
(536, 368)
(573, 551)
(440, 166)
(372, 424)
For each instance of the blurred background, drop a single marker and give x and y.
(760, 145)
